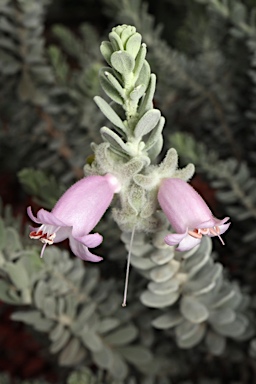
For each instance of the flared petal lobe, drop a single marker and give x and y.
(75, 214)
(188, 214)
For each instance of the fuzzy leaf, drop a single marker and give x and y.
(153, 300)
(193, 310)
(136, 354)
(122, 336)
(147, 101)
(109, 112)
(122, 62)
(109, 89)
(188, 334)
(133, 44)
(92, 341)
(106, 50)
(104, 357)
(72, 353)
(147, 122)
(18, 274)
(168, 320)
(113, 139)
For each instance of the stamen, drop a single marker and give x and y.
(215, 231)
(204, 231)
(35, 235)
(195, 234)
(128, 268)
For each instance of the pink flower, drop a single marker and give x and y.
(188, 214)
(75, 214)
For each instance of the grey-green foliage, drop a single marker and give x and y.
(44, 188)
(83, 318)
(52, 108)
(196, 299)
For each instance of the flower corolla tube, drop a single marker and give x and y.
(188, 215)
(75, 214)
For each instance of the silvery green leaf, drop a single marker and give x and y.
(137, 92)
(122, 336)
(122, 62)
(108, 324)
(192, 265)
(147, 122)
(145, 181)
(161, 257)
(109, 112)
(125, 31)
(147, 101)
(116, 42)
(222, 316)
(60, 342)
(43, 325)
(118, 368)
(49, 307)
(113, 78)
(233, 329)
(141, 263)
(106, 50)
(136, 354)
(168, 286)
(39, 293)
(92, 341)
(143, 79)
(188, 335)
(227, 297)
(27, 317)
(104, 357)
(133, 44)
(204, 280)
(57, 332)
(132, 167)
(215, 343)
(110, 89)
(72, 354)
(155, 150)
(71, 306)
(140, 60)
(170, 162)
(82, 317)
(113, 139)
(193, 310)
(136, 197)
(17, 274)
(155, 134)
(153, 300)
(12, 242)
(168, 320)
(5, 294)
(165, 272)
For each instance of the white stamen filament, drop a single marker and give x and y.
(128, 268)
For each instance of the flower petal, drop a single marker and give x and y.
(91, 240)
(62, 234)
(46, 217)
(188, 243)
(32, 217)
(222, 229)
(82, 251)
(174, 238)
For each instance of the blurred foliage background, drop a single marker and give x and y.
(204, 55)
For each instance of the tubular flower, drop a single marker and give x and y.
(75, 214)
(188, 214)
